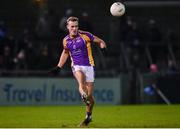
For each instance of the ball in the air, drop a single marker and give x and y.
(117, 9)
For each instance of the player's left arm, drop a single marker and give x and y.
(96, 39)
(100, 42)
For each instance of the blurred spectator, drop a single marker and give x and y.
(31, 53)
(1, 62)
(130, 35)
(7, 45)
(53, 23)
(7, 41)
(153, 36)
(62, 22)
(130, 32)
(153, 33)
(171, 67)
(153, 68)
(172, 36)
(85, 23)
(20, 60)
(43, 28)
(2, 30)
(7, 59)
(44, 60)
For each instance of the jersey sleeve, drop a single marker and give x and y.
(91, 36)
(88, 34)
(65, 44)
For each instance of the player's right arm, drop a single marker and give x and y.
(64, 55)
(62, 61)
(63, 58)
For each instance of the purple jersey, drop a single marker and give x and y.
(79, 49)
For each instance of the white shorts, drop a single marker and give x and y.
(87, 70)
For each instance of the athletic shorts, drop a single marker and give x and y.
(87, 70)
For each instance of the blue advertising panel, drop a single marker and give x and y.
(52, 91)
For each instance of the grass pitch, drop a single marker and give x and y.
(138, 116)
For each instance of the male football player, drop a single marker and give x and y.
(77, 45)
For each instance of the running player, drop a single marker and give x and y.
(77, 45)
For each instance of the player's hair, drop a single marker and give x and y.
(73, 19)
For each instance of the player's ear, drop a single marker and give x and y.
(67, 25)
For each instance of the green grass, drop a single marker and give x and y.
(151, 116)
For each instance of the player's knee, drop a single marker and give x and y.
(91, 100)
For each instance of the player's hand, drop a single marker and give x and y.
(102, 44)
(55, 70)
(104, 51)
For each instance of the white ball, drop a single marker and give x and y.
(117, 9)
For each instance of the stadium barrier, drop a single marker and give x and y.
(55, 91)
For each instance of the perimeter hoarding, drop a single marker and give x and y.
(55, 91)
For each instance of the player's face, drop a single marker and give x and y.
(72, 26)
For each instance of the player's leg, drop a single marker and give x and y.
(90, 89)
(89, 73)
(89, 108)
(80, 77)
(89, 78)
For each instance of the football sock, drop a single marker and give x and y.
(88, 114)
(83, 94)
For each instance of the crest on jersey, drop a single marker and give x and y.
(74, 46)
(78, 40)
